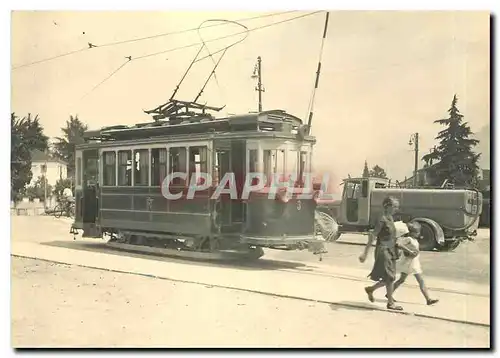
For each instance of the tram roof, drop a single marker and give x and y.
(274, 121)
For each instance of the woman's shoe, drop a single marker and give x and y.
(431, 302)
(394, 307)
(369, 292)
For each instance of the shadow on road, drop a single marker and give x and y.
(260, 264)
(352, 306)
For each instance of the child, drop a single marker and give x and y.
(410, 262)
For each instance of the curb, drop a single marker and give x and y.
(350, 305)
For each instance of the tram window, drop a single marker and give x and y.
(141, 167)
(125, 168)
(158, 166)
(302, 165)
(291, 163)
(280, 163)
(269, 159)
(78, 173)
(109, 168)
(252, 160)
(197, 162)
(177, 160)
(90, 171)
(304, 162)
(221, 166)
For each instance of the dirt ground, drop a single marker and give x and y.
(65, 306)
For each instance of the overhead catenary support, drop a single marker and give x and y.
(257, 73)
(309, 122)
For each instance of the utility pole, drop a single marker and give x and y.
(44, 176)
(414, 141)
(257, 73)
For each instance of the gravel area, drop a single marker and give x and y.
(65, 306)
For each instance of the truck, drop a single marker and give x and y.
(447, 216)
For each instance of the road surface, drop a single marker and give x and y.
(67, 306)
(470, 262)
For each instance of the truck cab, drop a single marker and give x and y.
(354, 213)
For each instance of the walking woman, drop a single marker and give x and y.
(386, 254)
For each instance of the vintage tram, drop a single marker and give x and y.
(120, 171)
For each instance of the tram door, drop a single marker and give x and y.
(90, 183)
(230, 158)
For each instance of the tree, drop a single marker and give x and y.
(26, 136)
(366, 172)
(61, 184)
(453, 158)
(378, 172)
(64, 148)
(39, 189)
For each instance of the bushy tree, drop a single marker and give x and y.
(39, 188)
(61, 184)
(366, 172)
(64, 147)
(378, 172)
(26, 136)
(454, 158)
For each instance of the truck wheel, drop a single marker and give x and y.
(427, 240)
(449, 246)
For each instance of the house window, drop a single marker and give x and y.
(158, 166)
(125, 168)
(109, 168)
(141, 167)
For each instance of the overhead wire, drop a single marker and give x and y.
(106, 79)
(227, 36)
(203, 43)
(115, 43)
(223, 53)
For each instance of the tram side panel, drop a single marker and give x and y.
(146, 209)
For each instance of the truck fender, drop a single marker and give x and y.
(435, 226)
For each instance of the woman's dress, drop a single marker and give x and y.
(384, 268)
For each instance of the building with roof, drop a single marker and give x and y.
(44, 164)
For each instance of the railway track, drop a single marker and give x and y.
(229, 259)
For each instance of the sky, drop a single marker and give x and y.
(384, 75)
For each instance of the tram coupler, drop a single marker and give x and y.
(73, 231)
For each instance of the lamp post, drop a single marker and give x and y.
(414, 141)
(257, 74)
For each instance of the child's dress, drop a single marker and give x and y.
(410, 265)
